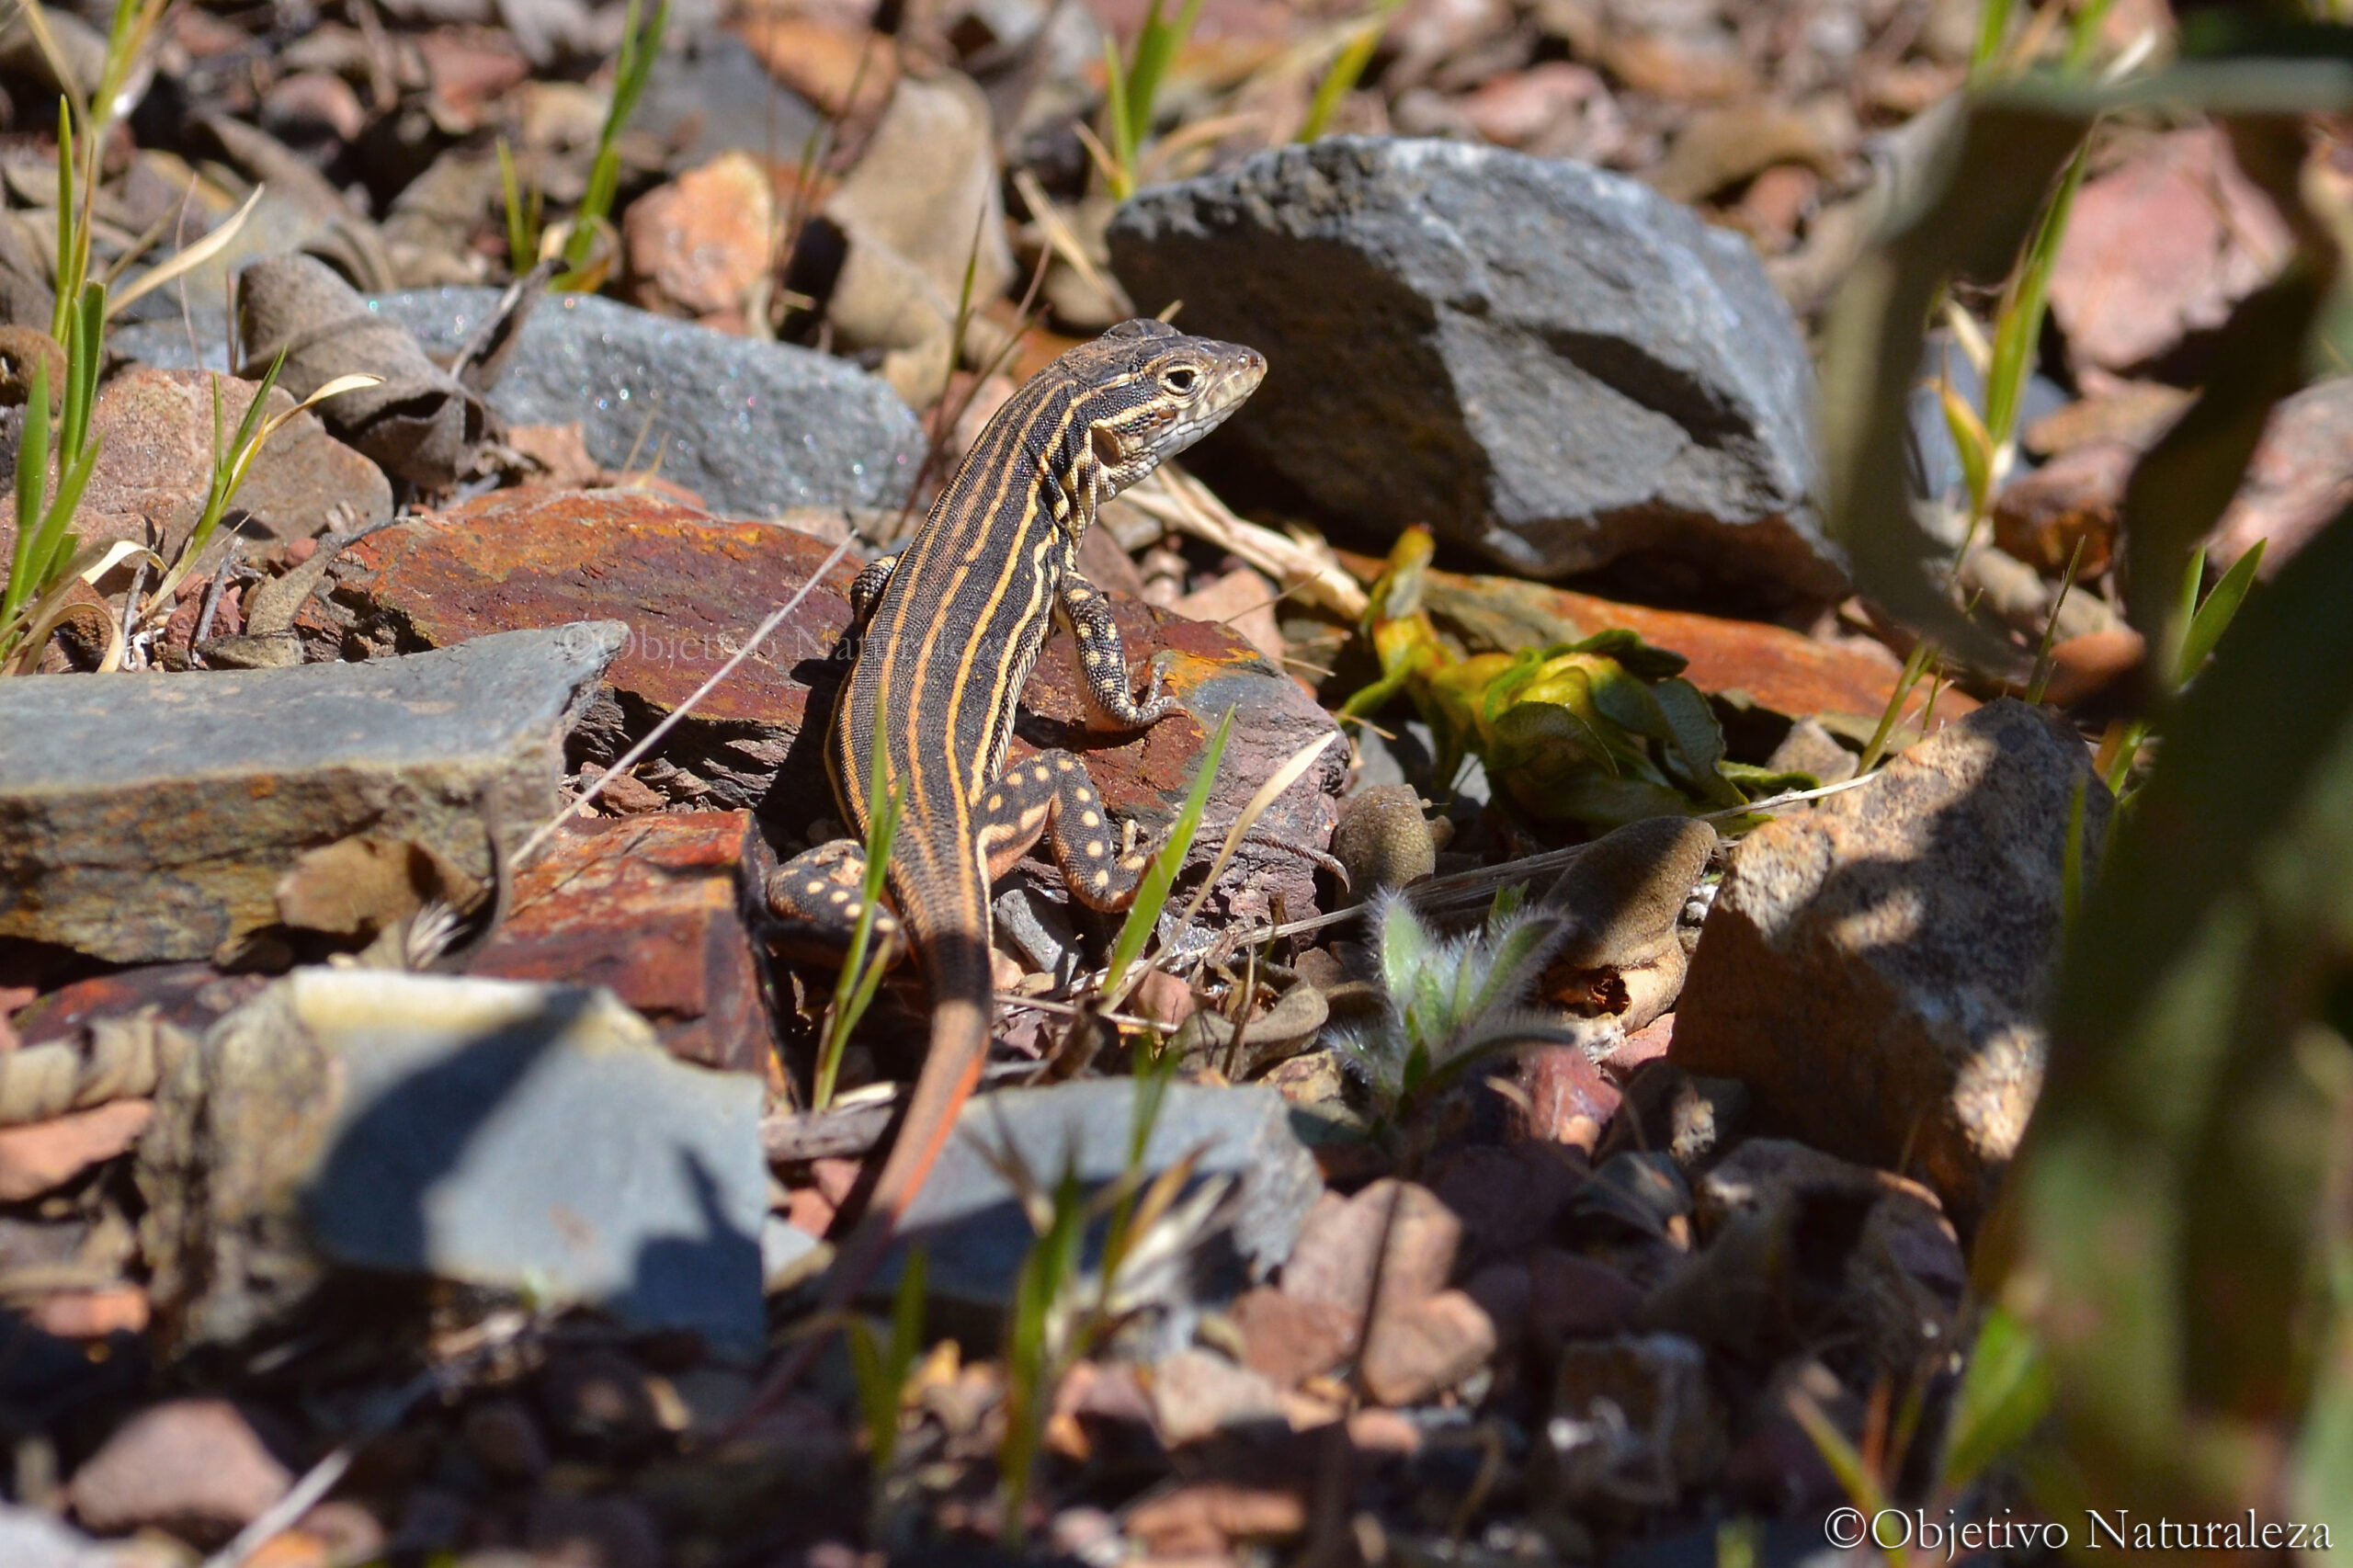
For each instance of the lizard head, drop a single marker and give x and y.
(1148, 392)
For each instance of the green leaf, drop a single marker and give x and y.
(2213, 617)
(1982, 189)
(32, 479)
(2004, 1393)
(1518, 955)
(2017, 324)
(1151, 892)
(1346, 69)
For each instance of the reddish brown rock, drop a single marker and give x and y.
(188, 994)
(1197, 1394)
(1517, 109)
(155, 465)
(1207, 1519)
(699, 243)
(91, 1314)
(2042, 516)
(1873, 969)
(2301, 477)
(2083, 667)
(2160, 246)
(41, 1155)
(651, 908)
(1415, 1352)
(1341, 1242)
(1288, 1338)
(1569, 1099)
(193, 1467)
(690, 588)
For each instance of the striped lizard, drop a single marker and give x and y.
(947, 631)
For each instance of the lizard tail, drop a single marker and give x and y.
(959, 1047)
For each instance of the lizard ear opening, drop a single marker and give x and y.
(1109, 449)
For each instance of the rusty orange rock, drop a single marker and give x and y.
(649, 907)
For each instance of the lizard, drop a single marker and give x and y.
(944, 632)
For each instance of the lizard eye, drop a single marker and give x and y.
(1179, 381)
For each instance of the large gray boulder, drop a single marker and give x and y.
(1549, 363)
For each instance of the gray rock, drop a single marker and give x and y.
(969, 1221)
(1874, 968)
(527, 1138)
(148, 818)
(713, 95)
(752, 427)
(1549, 363)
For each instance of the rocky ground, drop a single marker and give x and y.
(408, 1149)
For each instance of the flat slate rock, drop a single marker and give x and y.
(752, 427)
(972, 1226)
(1551, 364)
(148, 818)
(530, 1138)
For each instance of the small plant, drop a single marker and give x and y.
(1131, 89)
(1987, 442)
(862, 969)
(882, 1369)
(1599, 732)
(232, 460)
(631, 70)
(2201, 624)
(2004, 1393)
(1346, 69)
(1447, 1005)
(1061, 1314)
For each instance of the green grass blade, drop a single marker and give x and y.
(1993, 26)
(1115, 112)
(84, 346)
(2017, 331)
(68, 286)
(1152, 893)
(522, 245)
(632, 69)
(855, 987)
(1155, 42)
(2213, 617)
(2004, 1395)
(59, 520)
(32, 472)
(2083, 34)
(1347, 69)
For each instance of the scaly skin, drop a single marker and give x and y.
(949, 630)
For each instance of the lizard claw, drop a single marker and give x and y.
(1157, 702)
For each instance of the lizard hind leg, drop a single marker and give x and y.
(817, 895)
(1052, 796)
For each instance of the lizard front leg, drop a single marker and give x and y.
(1102, 657)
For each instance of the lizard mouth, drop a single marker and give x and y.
(1231, 384)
